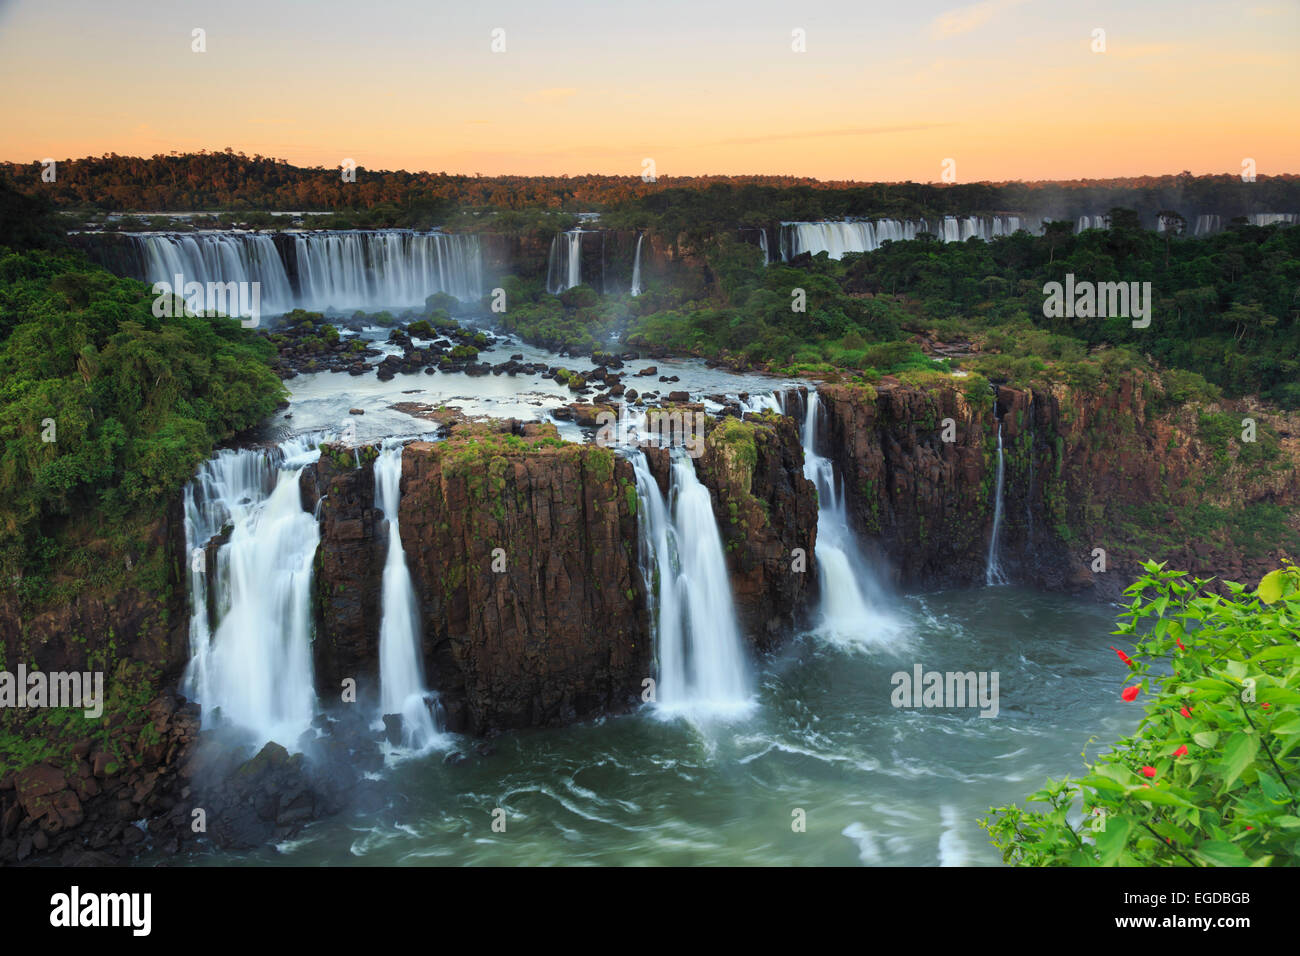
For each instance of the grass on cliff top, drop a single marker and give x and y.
(33, 735)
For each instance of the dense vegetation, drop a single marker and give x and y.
(1225, 316)
(233, 181)
(1210, 777)
(105, 410)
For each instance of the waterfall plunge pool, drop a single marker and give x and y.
(878, 785)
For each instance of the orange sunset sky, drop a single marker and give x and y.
(1010, 89)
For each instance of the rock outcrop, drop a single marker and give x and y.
(523, 553)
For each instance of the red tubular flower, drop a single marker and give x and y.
(1122, 656)
(1181, 751)
(1149, 771)
(1130, 693)
(1184, 711)
(1180, 643)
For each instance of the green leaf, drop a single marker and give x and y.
(1237, 756)
(1270, 587)
(1222, 853)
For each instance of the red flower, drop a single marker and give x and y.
(1180, 643)
(1181, 751)
(1130, 693)
(1185, 712)
(1266, 705)
(1250, 828)
(1122, 656)
(1149, 771)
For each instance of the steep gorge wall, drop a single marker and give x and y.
(1115, 468)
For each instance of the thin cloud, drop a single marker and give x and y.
(965, 19)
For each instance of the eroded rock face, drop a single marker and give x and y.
(1111, 469)
(922, 504)
(523, 554)
(349, 567)
(767, 514)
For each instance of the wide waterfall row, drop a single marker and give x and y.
(218, 257)
(702, 667)
(319, 271)
(250, 625)
(385, 269)
(836, 238)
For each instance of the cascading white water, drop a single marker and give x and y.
(636, 266)
(255, 665)
(762, 244)
(391, 269)
(401, 669)
(218, 257)
(702, 666)
(1206, 224)
(852, 599)
(335, 270)
(1269, 218)
(564, 265)
(993, 570)
(836, 238)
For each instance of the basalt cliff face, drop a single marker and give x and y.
(522, 550)
(1095, 482)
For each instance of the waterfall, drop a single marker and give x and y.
(762, 244)
(1269, 218)
(836, 238)
(254, 665)
(702, 665)
(393, 269)
(851, 595)
(218, 257)
(331, 270)
(564, 264)
(636, 267)
(401, 670)
(993, 571)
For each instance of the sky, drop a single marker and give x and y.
(1005, 89)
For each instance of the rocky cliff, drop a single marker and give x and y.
(523, 552)
(1094, 479)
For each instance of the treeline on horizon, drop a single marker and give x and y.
(232, 181)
